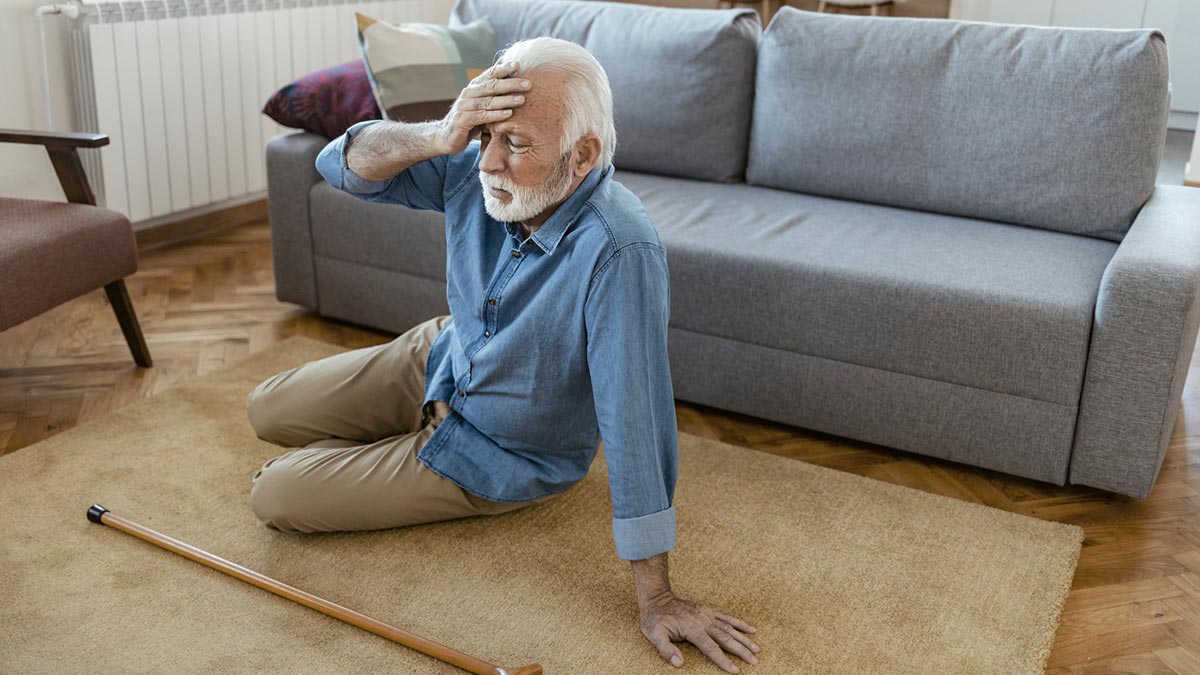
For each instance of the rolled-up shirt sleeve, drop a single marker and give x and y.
(422, 186)
(626, 313)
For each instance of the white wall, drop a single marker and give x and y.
(25, 170)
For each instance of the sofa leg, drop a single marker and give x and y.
(123, 308)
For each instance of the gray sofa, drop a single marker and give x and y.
(938, 236)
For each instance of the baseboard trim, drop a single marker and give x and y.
(1184, 120)
(185, 226)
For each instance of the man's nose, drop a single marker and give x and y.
(491, 161)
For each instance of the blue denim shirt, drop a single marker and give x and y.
(557, 341)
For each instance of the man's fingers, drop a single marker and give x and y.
(737, 634)
(497, 73)
(667, 650)
(504, 68)
(497, 70)
(713, 651)
(494, 87)
(731, 643)
(485, 116)
(735, 622)
(496, 102)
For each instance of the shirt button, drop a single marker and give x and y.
(491, 301)
(461, 392)
(487, 334)
(516, 254)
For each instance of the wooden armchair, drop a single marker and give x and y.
(52, 252)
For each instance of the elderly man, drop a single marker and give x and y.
(557, 338)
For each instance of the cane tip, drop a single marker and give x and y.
(94, 513)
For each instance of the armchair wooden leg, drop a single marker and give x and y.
(119, 297)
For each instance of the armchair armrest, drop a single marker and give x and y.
(62, 147)
(291, 173)
(1143, 334)
(56, 139)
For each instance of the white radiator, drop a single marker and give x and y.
(179, 86)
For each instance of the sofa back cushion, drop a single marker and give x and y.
(1056, 128)
(682, 79)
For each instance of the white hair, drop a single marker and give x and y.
(588, 97)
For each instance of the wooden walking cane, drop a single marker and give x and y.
(99, 514)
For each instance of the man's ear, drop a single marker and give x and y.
(586, 155)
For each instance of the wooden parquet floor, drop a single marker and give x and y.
(1135, 601)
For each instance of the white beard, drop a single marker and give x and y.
(526, 202)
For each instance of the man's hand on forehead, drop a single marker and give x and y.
(487, 99)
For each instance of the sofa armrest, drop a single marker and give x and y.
(291, 173)
(1142, 340)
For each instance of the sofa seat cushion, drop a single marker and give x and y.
(1001, 307)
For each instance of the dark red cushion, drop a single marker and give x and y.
(325, 102)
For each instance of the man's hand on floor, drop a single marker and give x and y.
(435, 412)
(667, 618)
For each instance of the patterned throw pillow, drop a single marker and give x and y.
(325, 102)
(417, 70)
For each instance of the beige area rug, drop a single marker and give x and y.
(841, 574)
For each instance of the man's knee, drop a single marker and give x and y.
(261, 412)
(274, 498)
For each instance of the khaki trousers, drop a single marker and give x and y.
(356, 422)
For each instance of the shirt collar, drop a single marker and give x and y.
(551, 232)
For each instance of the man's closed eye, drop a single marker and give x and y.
(486, 137)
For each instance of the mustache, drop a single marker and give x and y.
(498, 183)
